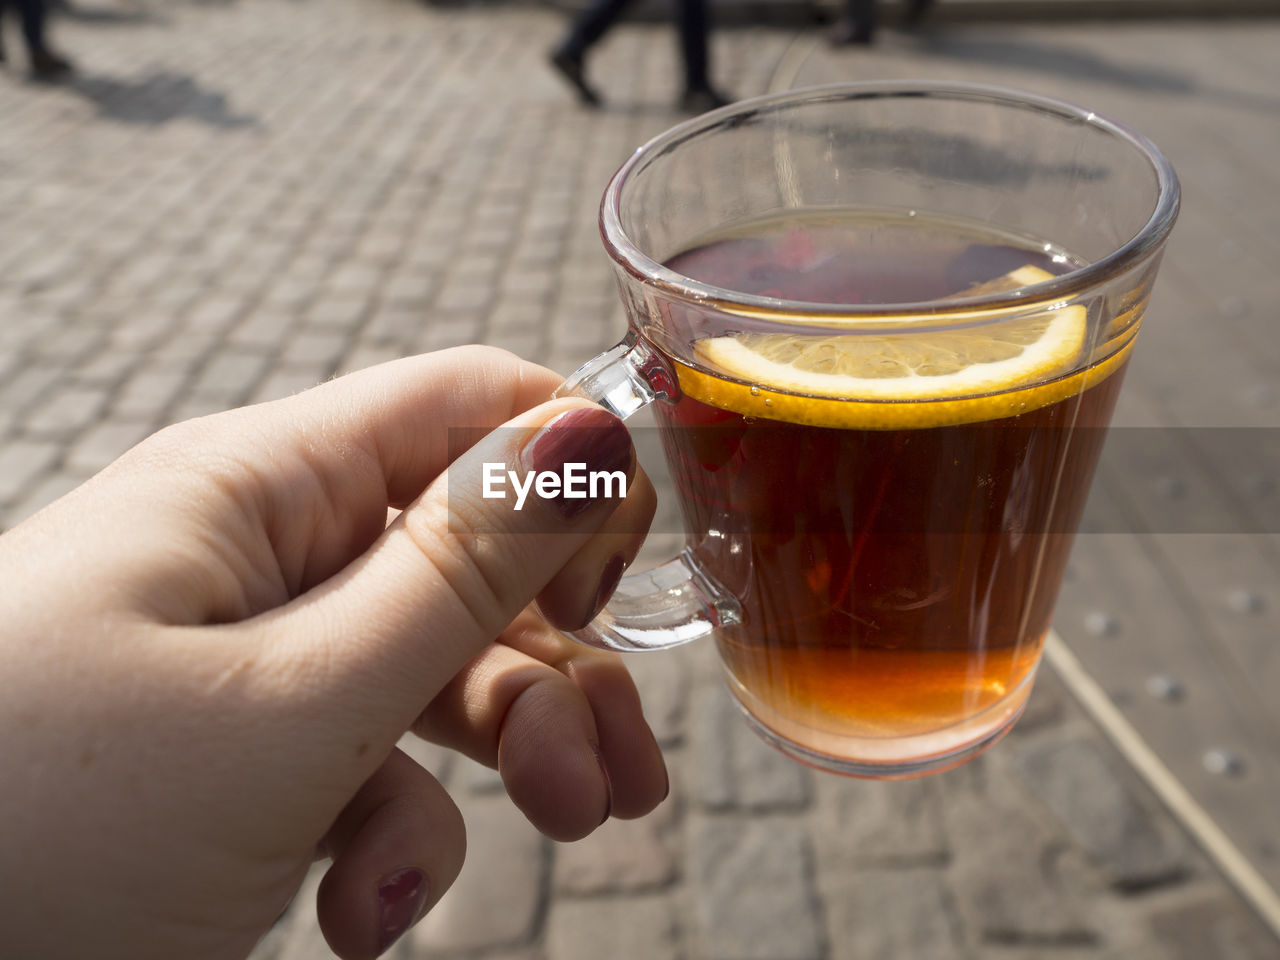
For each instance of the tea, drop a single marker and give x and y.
(896, 560)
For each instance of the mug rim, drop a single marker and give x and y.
(1143, 244)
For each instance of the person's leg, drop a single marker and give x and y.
(692, 16)
(587, 28)
(45, 64)
(592, 24)
(33, 20)
(858, 24)
(916, 10)
(699, 95)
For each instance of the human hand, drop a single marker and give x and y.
(209, 651)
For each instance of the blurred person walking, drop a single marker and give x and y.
(46, 64)
(858, 22)
(599, 16)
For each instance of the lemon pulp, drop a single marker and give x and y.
(987, 370)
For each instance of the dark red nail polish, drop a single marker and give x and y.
(609, 581)
(592, 438)
(608, 784)
(401, 897)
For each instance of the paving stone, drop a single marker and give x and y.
(622, 855)
(1046, 706)
(342, 313)
(148, 393)
(734, 768)
(865, 822)
(192, 407)
(529, 344)
(104, 442)
(463, 296)
(21, 461)
(476, 778)
(752, 890)
(449, 329)
(1004, 872)
(1212, 925)
(354, 279)
(410, 285)
(379, 247)
(286, 381)
(495, 900)
(27, 386)
(436, 760)
(1099, 807)
(188, 348)
(367, 355)
(445, 133)
(141, 326)
(643, 928)
(395, 323)
(66, 412)
(513, 314)
(321, 350)
(70, 344)
(216, 313)
(881, 914)
(264, 328)
(664, 683)
(107, 367)
(531, 284)
(231, 375)
(288, 293)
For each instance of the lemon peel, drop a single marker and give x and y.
(905, 380)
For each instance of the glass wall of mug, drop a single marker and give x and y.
(883, 329)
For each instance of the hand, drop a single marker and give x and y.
(209, 651)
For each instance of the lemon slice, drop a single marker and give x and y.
(986, 371)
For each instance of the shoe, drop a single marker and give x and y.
(916, 11)
(569, 66)
(47, 65)
(846, 33)
(702, 99)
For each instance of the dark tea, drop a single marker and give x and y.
(894, 523)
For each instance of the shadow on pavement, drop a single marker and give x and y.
(1079, 65)
(157, 98)
(1050, 58)
(107, 16)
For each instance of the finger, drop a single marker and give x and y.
(409, 415)
(396, 848)
(530, 721)
(298, 486)
(582, 586)
(377, 437)
(549, 714)
(381, 638)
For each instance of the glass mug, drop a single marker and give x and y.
(882, 327)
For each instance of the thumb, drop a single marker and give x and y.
(457, 566)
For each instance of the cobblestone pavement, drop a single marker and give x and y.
(235, 201)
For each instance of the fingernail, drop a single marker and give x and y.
(592, 438)
(608, 784)
(401, 897)
(608, 582)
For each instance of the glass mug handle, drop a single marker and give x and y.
(674, 602)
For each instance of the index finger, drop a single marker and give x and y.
(402, 412)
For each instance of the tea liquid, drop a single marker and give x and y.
(895, 582)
